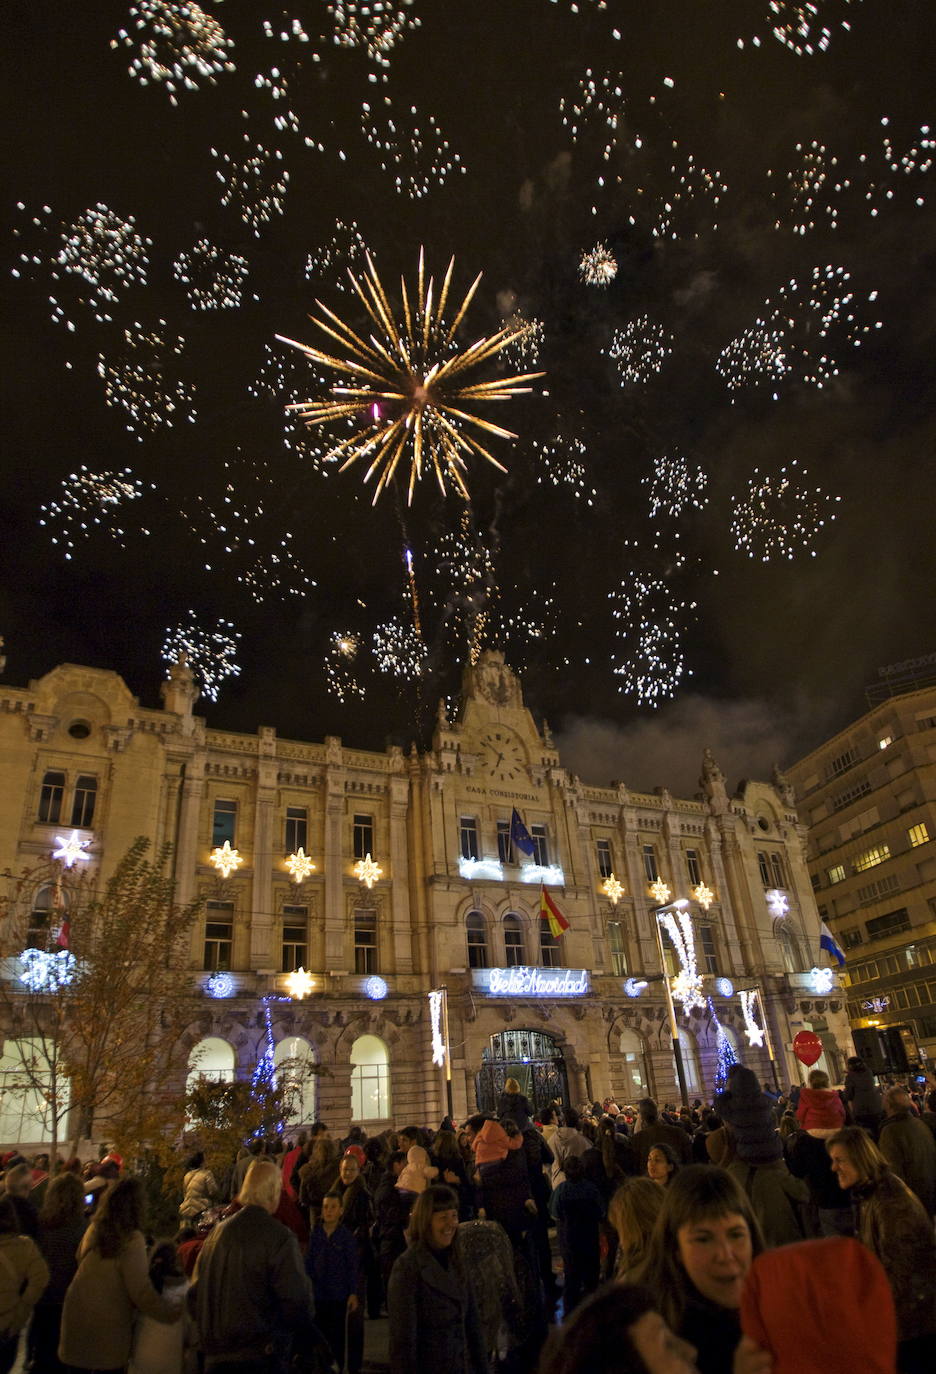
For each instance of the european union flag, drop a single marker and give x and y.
(519, 835)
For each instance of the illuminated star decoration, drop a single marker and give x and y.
(659, 891)
(366, 871)
(406, 387)
(778, 903)
(299, 983)
(612, 889)
(752, 1030)
(687, 984)
(299, 865)
(71, 850)
(703, 895)
(225, 859)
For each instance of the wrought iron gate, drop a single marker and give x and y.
(533, 1058)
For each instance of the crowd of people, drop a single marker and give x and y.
(759, 1234)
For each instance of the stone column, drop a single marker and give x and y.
(187, 856)
(336, 943)
(262, 924)
(399, 944)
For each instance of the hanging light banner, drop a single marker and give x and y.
(435, 1017)
(522, 981)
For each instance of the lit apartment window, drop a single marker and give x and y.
(219, 935)
(650, 863)
(477, 940)
(885, 740)
(223, 823)
(616, 946)
(513, 940)
(764, 869)
(693, 867)
(504, 846)
(776, 869)
(603, 855)
(878, 854)
(365, 942)
(468, 837)
(836, 874)
(918, 834)
(540, 845)
(40, 918)
(297, 830)
(363, 837)
(295, 938)
(84, 800)
(50, 798)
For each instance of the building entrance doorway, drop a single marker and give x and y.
(533, 1058)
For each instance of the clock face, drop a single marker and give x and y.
(502, 756)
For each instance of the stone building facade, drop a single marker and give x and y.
(418, 885)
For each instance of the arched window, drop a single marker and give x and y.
(27, 1089)
(635, 1081)
(692, 1067)
(513, 940)
(549, 947)
(211, 1058)
(293, 1058)
(44, 918)
(789, 946)
(370, 1079)
(477, 940)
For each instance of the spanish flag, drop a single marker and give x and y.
(551, 913)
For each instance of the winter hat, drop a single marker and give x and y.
(417, 1173)
(356, 1152)
(821, 1306)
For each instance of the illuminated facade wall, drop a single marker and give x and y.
(452, 896)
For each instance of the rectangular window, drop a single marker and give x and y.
(83, 804)
(549, 948)
(224, 823)
(776, 870)
(540, 845)
(295, 938)
(836, 874)
(219, 935)
(616, 947)
(842, 763)
(650, 863)
(297, 830)
(504, 847)
(468, 837)
(50, 798)
(363, 837)
(885, 740)
(513, 941)
(477, 941)
(918, 834)
(603, 856)
(878, 854)
(891, 924)
(851, 938)
(365, 941)
(843, 799)
(709, 961)
(764, 869)
(693, 867)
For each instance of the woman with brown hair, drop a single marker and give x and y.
(23, 1276)
(699, 1254)
(62, 1224)
(632, 1212)
(112, 1284)
(318, 1177)
(893, 1223)
(434, 1322)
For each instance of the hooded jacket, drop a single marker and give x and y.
(861, 1094)
(750, 1115)
(417, 1172)
(820, 1109)
(493, 1143)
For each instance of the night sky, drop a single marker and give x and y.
(764, 658)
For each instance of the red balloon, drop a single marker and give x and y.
(807, 1047)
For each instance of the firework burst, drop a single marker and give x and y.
(406, 387)
(210, 651)
(175, 45)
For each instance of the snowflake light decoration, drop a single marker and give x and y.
(220, 985)
(659, 891)
(613, 889)
(724, 987)
(299, 865)
(225, 859)
(375, 988)
(72, 849)
(687, 989)
(777, 901)
(299, 983)
(753, 1031)
(177, 45)
(598, 266)
(47, 970)
(367, 871)
(703, 895)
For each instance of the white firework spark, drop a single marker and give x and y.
(210, 651)
(640, 349)
(107, 256)
(140, 380)
(178, 46)
(780, 516)
(598, 266)
(91, 501)
(213, 278)
(343, 649)
(374, 25)
(413, 149)
(675, 486)
(651, 633)
(255, 185)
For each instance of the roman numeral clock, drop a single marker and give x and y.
(501, 756)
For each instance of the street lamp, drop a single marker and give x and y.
(656, 911)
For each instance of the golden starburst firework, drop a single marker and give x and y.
(404, 388)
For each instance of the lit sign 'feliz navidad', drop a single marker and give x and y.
(522, 981)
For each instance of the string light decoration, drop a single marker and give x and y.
(210, 652)
(376, 26)
(367, 871)
(407, 387)
(413, 150)
(72, 849)
(255, 185)
(687, 984)
(612, 889)
(435, 1020)
(650, 659)
(177, 46)
(703, 895)
(90, 501)
(46, 970)
(659, 891)
(803, 26)
(225, 859)
(639, 349)
(139, 380)
(298, 865)
(107, 255)
(779, 517)
(598, 266)
(633, 987)
(343, 650)
(724, 1050)
(674, 486)
(753, 1031)
(214, 279)
(299, 984)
